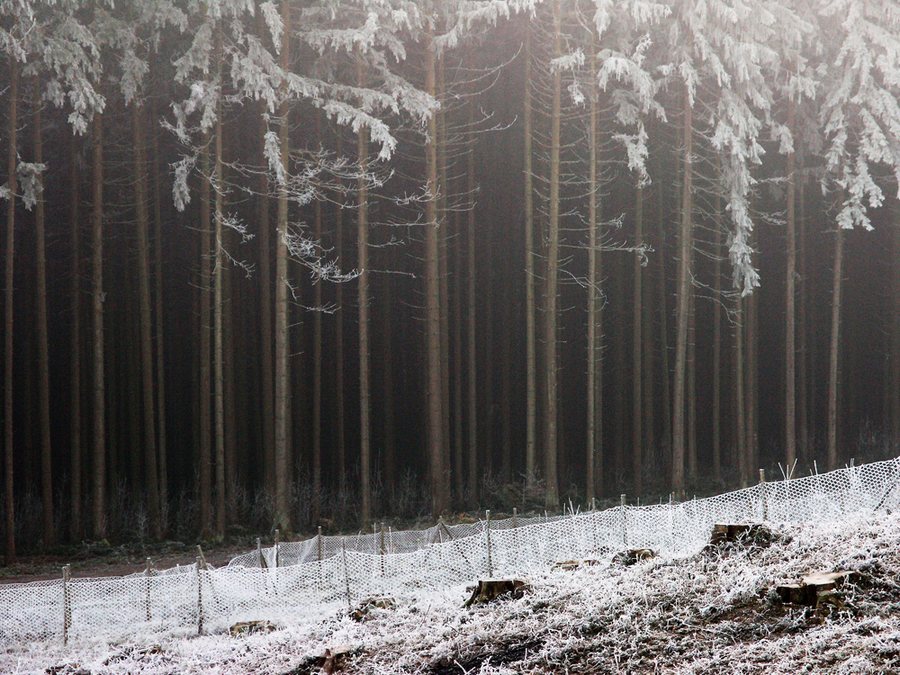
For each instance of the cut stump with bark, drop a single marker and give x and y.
(741, 534)
(364, 611)
(569, 565)
(489, 590)
(817, 590)
(633, 556)
(251, 628)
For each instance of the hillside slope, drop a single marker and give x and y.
(712, 612)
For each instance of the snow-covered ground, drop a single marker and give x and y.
(711, 612)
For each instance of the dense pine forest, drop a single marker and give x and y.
(320, 262)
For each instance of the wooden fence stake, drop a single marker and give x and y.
(147, 589)
(765, 501)
(67, 603)
(277, 546)
(346, 573)
(624, 521)
(199, 569)
(487, 532)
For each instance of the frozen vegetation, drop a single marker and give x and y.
(709, 612)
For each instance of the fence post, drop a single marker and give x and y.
(277, 545)
(515, 518)
(67, 603)
(487, 532)
(381, 547)
(199, 597)
(147, 589)
(671, 522)
(624, 520)
(346, 574)
(762, 487)
(319, 545)
(259, 554)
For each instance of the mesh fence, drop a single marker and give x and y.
(302, 580)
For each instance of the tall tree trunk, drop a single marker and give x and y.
(42, 339)
(97, 299)
(471, 306)
(752, 402)
(740, 429)
(282, 364)
(637, 433)
(362, 251)
(692, 388)
(663, 306)
(76, 526)
(218, 314)
(550, 304)
(459, 475)
(160, 335)
(530, 355)
(390, 451)
(790, 397)
(895, 334)
(8, 314)
(339, 345)
(317, 363)
(717, 344)
(594, 445)
(683, 309)
(441, 143)
(265, 319)
(834, 349)
(148, 398)
(803, 400)
(439, 487)
(206, 449)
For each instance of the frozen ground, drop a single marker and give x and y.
(711, 612)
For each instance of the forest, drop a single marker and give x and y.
(307, 263)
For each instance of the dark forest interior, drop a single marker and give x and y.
(240, 308)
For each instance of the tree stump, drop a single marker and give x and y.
(489, 590)
(569, 565)
(816, 590)
(251, 627)
(633, 556)
(741, 534)
(363, 611)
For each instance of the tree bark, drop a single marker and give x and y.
(594, 445)
(551, 497)
(834, 349)
(282, 364)
(790, 397)
(717, 344)
(206, 441)
(8, 315)
(531, 465)
(740, 429)
(317, 363)
(339, 346)
(148, 398)
(637, 434)
(265, 319)
(76, 526)
(97, 300)
(40, 220)
(218, 313)
(362, 251)
(683, 309)
(439, 479)
(160, 335)
(471, 334)
(895, 335)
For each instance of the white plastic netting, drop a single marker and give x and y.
(298, 581)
